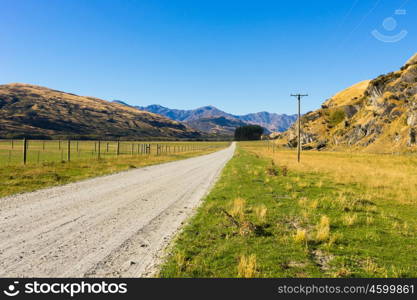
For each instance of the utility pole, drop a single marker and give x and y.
(299, 96)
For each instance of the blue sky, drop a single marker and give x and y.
(241, 56)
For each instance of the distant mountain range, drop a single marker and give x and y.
(213, 120)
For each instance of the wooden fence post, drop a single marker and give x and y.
(24, 151)
(69, 150)
(99, 149)
(118, 148)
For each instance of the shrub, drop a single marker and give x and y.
(336, 117)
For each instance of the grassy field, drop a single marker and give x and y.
(52, 169)
(332, 215)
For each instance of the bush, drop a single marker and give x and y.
(336, 117)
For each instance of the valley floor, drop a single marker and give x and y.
(332, 215)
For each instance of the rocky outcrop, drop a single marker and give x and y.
(378, 115)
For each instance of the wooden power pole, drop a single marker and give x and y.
(299, 96)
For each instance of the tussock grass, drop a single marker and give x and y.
(247, 266)
(300, 236)
(323, 229)
(238, 208)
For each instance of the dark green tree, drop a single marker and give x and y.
(248, 133)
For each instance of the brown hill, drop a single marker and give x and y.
(34, 111)
(379, 115)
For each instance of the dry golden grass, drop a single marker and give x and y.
(260, 212)
(313, 204)
(345, 97)
(288, 187)
(369, 220)
(238, 208)
(341, 272)
(300, 236)
(323, 229)
(371, 267)
(350, 220)
(333, 238)
(381, 176)
(319, 184)
(247, 266)
(305, 213)
(303, 201)
(302, 184)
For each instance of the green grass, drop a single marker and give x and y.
(231, 238)
(18, 178)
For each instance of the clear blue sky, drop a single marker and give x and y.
(241, 56)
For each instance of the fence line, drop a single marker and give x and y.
(25, 151)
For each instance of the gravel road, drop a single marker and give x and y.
(110, 226)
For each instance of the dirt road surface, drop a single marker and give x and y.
(110, 226)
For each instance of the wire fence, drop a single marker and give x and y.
(27, 151)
